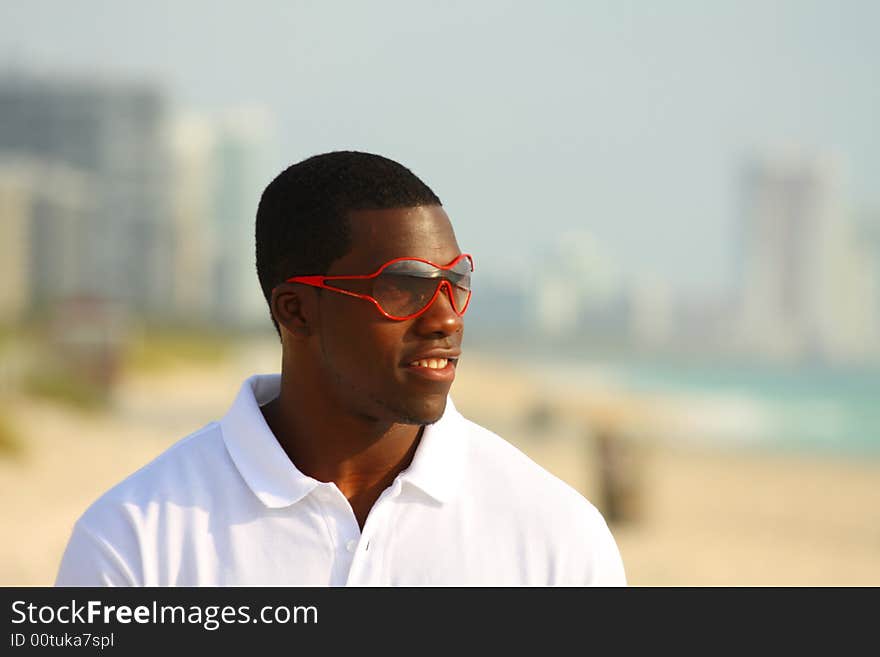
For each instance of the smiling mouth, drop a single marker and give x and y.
(433, 370)
(434, 363)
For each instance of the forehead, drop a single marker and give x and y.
(378, 236)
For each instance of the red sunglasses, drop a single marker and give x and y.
(404, 288)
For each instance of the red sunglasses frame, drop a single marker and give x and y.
(321, 282)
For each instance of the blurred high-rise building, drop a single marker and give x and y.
(868, 234)
(578, 290)
(804, 279)
(45, 209)
(651, 313)
(220, 165)
(192, 204)
(242, 164)
(113, 133)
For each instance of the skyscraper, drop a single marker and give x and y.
(801, 271)
(115, 134)
(42, 252)
(242, 169)
(220, 166)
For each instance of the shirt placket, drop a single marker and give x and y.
(366, 566)
(342, 529)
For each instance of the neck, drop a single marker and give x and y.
(361, 455)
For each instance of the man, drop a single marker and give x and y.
(352, 467)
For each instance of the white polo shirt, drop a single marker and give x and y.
(225, 506)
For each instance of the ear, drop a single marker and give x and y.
(294, 309)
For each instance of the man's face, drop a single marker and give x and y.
(367, 359)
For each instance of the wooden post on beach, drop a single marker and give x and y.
(620, 480)
(87, 335)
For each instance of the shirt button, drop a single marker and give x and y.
(351, 546)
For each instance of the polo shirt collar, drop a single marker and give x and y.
(259, 457)
(436, 468)
(438, 464)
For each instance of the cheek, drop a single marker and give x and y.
(362, 346)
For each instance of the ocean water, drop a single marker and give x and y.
(810, 409)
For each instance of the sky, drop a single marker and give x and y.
(626, 120)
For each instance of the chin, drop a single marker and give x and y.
(427, 411)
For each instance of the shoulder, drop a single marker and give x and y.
(548, 513)
(112, 542)
(181, 475)
(501, 465)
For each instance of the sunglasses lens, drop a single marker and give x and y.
(403, 295)
(407, 286)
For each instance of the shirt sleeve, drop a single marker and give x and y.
(588, 554)
(90, 560)
(607, 565)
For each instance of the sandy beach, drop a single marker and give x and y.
(694, 516)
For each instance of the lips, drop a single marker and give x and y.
(436, 365)
(427, 357)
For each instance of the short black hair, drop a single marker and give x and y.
(303, 215)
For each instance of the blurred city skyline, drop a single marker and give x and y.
(766, 244)
(529, 121)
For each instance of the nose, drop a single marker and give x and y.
(440, 319)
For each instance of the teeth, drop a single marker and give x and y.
(431, 363)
